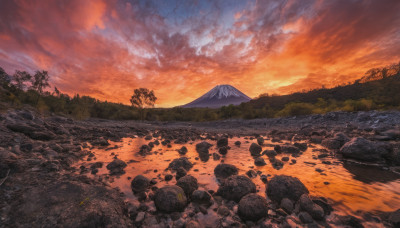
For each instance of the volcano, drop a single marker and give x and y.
(220, 95)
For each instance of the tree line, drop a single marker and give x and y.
(376, 90)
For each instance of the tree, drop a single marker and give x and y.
(40, 81)
(20, 79)
(4, 78)
(143, 98)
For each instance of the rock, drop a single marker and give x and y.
(305, 217)
(394, 218)
(235, 187)
(188, 183)
(259, 161)
(285, 159)
(287, 205)
(223, 150)
(252, 207)
(363, 150)
(270, 153)
(180, 163)
(192, 224)
(100, 142)
(181, 172)
(168, 177)
(301, 146)
(140, 217)
(255, 149)
(306, 204)
(290, 149)
(216, 157)
(140, 184)
(282, 186)
(223, 171)
(183, 150)
(391, 134)
(202, 149)
(202, 197)
(237, 143)
(264, 178)
(222, 142)
(170, 199)
(336, 142)
(116, 167)
(96, 165)
(251, 173)
(260, 141)
(223, 210)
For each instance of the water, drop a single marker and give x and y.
(351, 188)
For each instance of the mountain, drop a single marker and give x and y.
(219, 96)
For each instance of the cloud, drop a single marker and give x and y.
(181, 49)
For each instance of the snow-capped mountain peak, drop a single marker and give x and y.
(219, 96)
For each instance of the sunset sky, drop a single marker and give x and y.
(182, 49)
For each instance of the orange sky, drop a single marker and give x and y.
(182, 49)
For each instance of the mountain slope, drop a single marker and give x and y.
(219, 96)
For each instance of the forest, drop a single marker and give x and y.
(377, 89)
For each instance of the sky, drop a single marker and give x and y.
(181, 49)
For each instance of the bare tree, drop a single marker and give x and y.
(20, 78)
(40, 81)
(143, 98)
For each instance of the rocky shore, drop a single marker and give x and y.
(40, 186)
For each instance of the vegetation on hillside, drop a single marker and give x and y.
(377, 89)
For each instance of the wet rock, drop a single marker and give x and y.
(140, 184)
(223, 150)
(168, 177)
(305, 217)
(202, 197)
(144, 150)
(188, 183)
(301, 146)
(259, 161)
(290, 149)
(282, 186)
(116, 167)
(270, 153)
(264, 178)
(363, 150)
(285, 159)
(96, 165)
(309, 206)
(251, 173)
(235, 187)
(222, 142)
(287, 205)
(202, 148)
(260, 141)
(223, 171)
(100, 142)
(180, 163)
(216, 157)
(255, 149)
(192, 224)
(183, 150)
(181, 172)
(252, 207)
(336, 142)
(170, 199)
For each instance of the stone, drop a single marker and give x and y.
(363, 150)
(259, 161)
(287, 205)
(223, 171)
(255, 149)
(180, 163)
(222, 142)
(188, 183)
(282, 186)
(202, 197)
(116, 167)
(140, 184)
(305, 217)
(183, 150)
(260, 141)
(170, 198)
(252, 207)
(235, 187)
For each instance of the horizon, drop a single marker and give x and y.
(183, 49)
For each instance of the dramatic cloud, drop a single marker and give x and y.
(181, 49)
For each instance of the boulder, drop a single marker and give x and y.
(180, 163)
(287, 205)
(202, 198)
(116, 167)
(170, 199)
(252, 207)
(363, 150)
(222, 142)
(259, 161)
(394, 218)
(290, 149)
(202, 149)
(270, 153)
(306, 204)
(188, 183)
(235, 187)
(338, 140)
(223, 171)
(282, 186)
(255, 149)
(260, 141)
(183, 150)
(140, 184)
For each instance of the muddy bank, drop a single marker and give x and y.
(42, 186)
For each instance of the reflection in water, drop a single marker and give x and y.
(351, 188)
